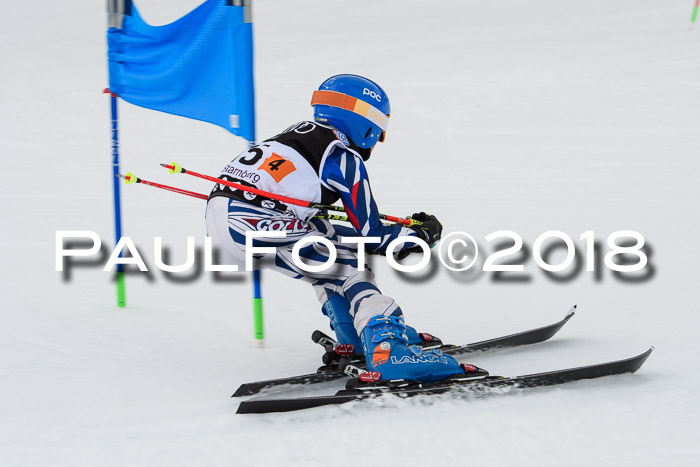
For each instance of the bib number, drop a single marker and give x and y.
(277, 166)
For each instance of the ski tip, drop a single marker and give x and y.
(575, 307)
(641, 358)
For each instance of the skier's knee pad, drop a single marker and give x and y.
(337, 309)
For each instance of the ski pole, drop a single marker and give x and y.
(330, 207)
(331, 217)
(130, 178)
(174, 168)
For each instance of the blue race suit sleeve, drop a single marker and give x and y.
(345, 173)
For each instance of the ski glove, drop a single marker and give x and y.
(430, 230)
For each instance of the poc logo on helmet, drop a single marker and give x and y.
(372, 94)
(377, 117)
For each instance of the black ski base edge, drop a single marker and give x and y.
(629, 365)
(532, 336)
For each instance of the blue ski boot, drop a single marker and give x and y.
(349, 348)
(388, 352)
(337, 309)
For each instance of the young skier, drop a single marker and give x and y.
(323, 161)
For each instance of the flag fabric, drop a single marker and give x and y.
(200, 66)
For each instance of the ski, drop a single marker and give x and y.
(333, 372)
(484, 384)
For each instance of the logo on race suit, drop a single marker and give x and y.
(304, 127)
(249, 196)
(268, 203)
(343, 139)
(372, 94)
(278, 225)
(425, 358)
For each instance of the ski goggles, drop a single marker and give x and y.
(360, 107)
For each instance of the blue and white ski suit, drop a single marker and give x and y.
(311, 162)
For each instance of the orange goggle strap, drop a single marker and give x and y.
(343, 101)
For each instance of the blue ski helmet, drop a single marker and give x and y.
(354, 105)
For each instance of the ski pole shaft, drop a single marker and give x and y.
(325, 207)
(331, 217)
(131, 178)
(174, 168)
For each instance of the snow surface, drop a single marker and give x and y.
(524, 115)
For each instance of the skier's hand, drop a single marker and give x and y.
(430, 228)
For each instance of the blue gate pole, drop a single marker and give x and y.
(258, 324)
(258, 309)
(121, 291)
